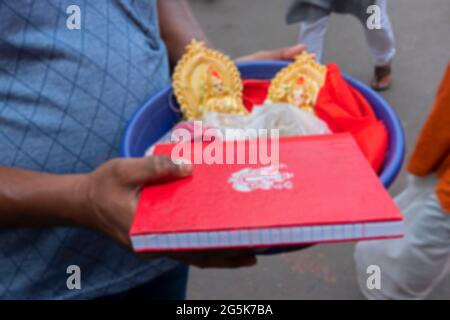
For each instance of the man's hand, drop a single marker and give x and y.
(288, 53)
(110, 195)
(103, 201)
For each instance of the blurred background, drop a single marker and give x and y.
(238, 27)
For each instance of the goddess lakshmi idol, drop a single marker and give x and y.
(206, 81)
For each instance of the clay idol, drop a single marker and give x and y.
(206, 81)
(299, 83)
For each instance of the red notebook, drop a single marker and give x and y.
(323, 191)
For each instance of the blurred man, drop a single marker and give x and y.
(314, 16)
(67, 89)
(413, 266)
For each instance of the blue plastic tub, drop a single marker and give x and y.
(160, 113)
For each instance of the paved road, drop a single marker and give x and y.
(238, 27)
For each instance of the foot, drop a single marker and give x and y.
(382, 77)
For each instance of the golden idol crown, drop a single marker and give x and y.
(206, 80)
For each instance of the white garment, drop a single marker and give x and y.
(287, 119)
(381, 42)
(411, 267)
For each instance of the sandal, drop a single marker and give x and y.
(382, 77)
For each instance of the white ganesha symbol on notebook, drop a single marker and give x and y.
(265, 178)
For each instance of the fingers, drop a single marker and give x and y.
(228, 261)
(288, 53)
(218, 259)
(238, 262)
(153, 170)
(291, 52)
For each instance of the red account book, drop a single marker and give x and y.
(323, 191)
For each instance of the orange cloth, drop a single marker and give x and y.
(432, 153)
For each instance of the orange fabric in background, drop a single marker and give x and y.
(432, 152)
(343, 108)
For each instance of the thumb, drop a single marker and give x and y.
(154, 170)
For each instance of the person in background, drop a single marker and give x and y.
(411, 267)
(314, 16)
(65, 98)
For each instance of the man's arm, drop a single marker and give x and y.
(30, 199)
(178, 27)
(103, 200)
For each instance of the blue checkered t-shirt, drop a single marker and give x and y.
(65, 96)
